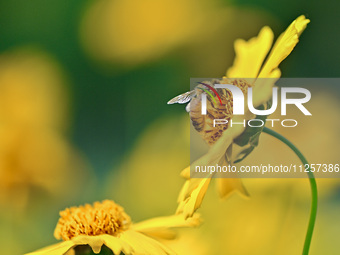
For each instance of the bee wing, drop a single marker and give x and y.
(183, 98)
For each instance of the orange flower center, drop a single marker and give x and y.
(92, 220)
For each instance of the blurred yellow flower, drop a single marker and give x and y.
(133, 31)
(32, 90)
(248, 63)
(107, 224)
(34, 155)
(33, 159)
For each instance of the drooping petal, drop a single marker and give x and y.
(284, 45)
(55, 249)
(250, 55)
(142, 244)
(95, 242)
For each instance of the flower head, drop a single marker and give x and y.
(101, 218)
(106, 223)
(249, 63)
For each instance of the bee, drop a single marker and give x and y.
(219, 106)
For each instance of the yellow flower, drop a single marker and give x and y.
(32, 90)
(107, 224)
(135, 31)
(248, 62)
(34, 155)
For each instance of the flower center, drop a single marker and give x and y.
(92, 220)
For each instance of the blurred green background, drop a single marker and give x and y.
(115, 64)
(104, 124)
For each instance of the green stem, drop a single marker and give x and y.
(313, 186)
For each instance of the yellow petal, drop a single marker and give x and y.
(117, 245)
(250, 55)
(194, 201)
(56, 249)
(142, 244)
(188, 187)
(95, 242)
(152, 226)
(70, 252)
(216, 153)
(160, 227)
(284, 45)
(185, 173)
(263, 89)
(159, 233)
(226, 186)
(184, 191)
